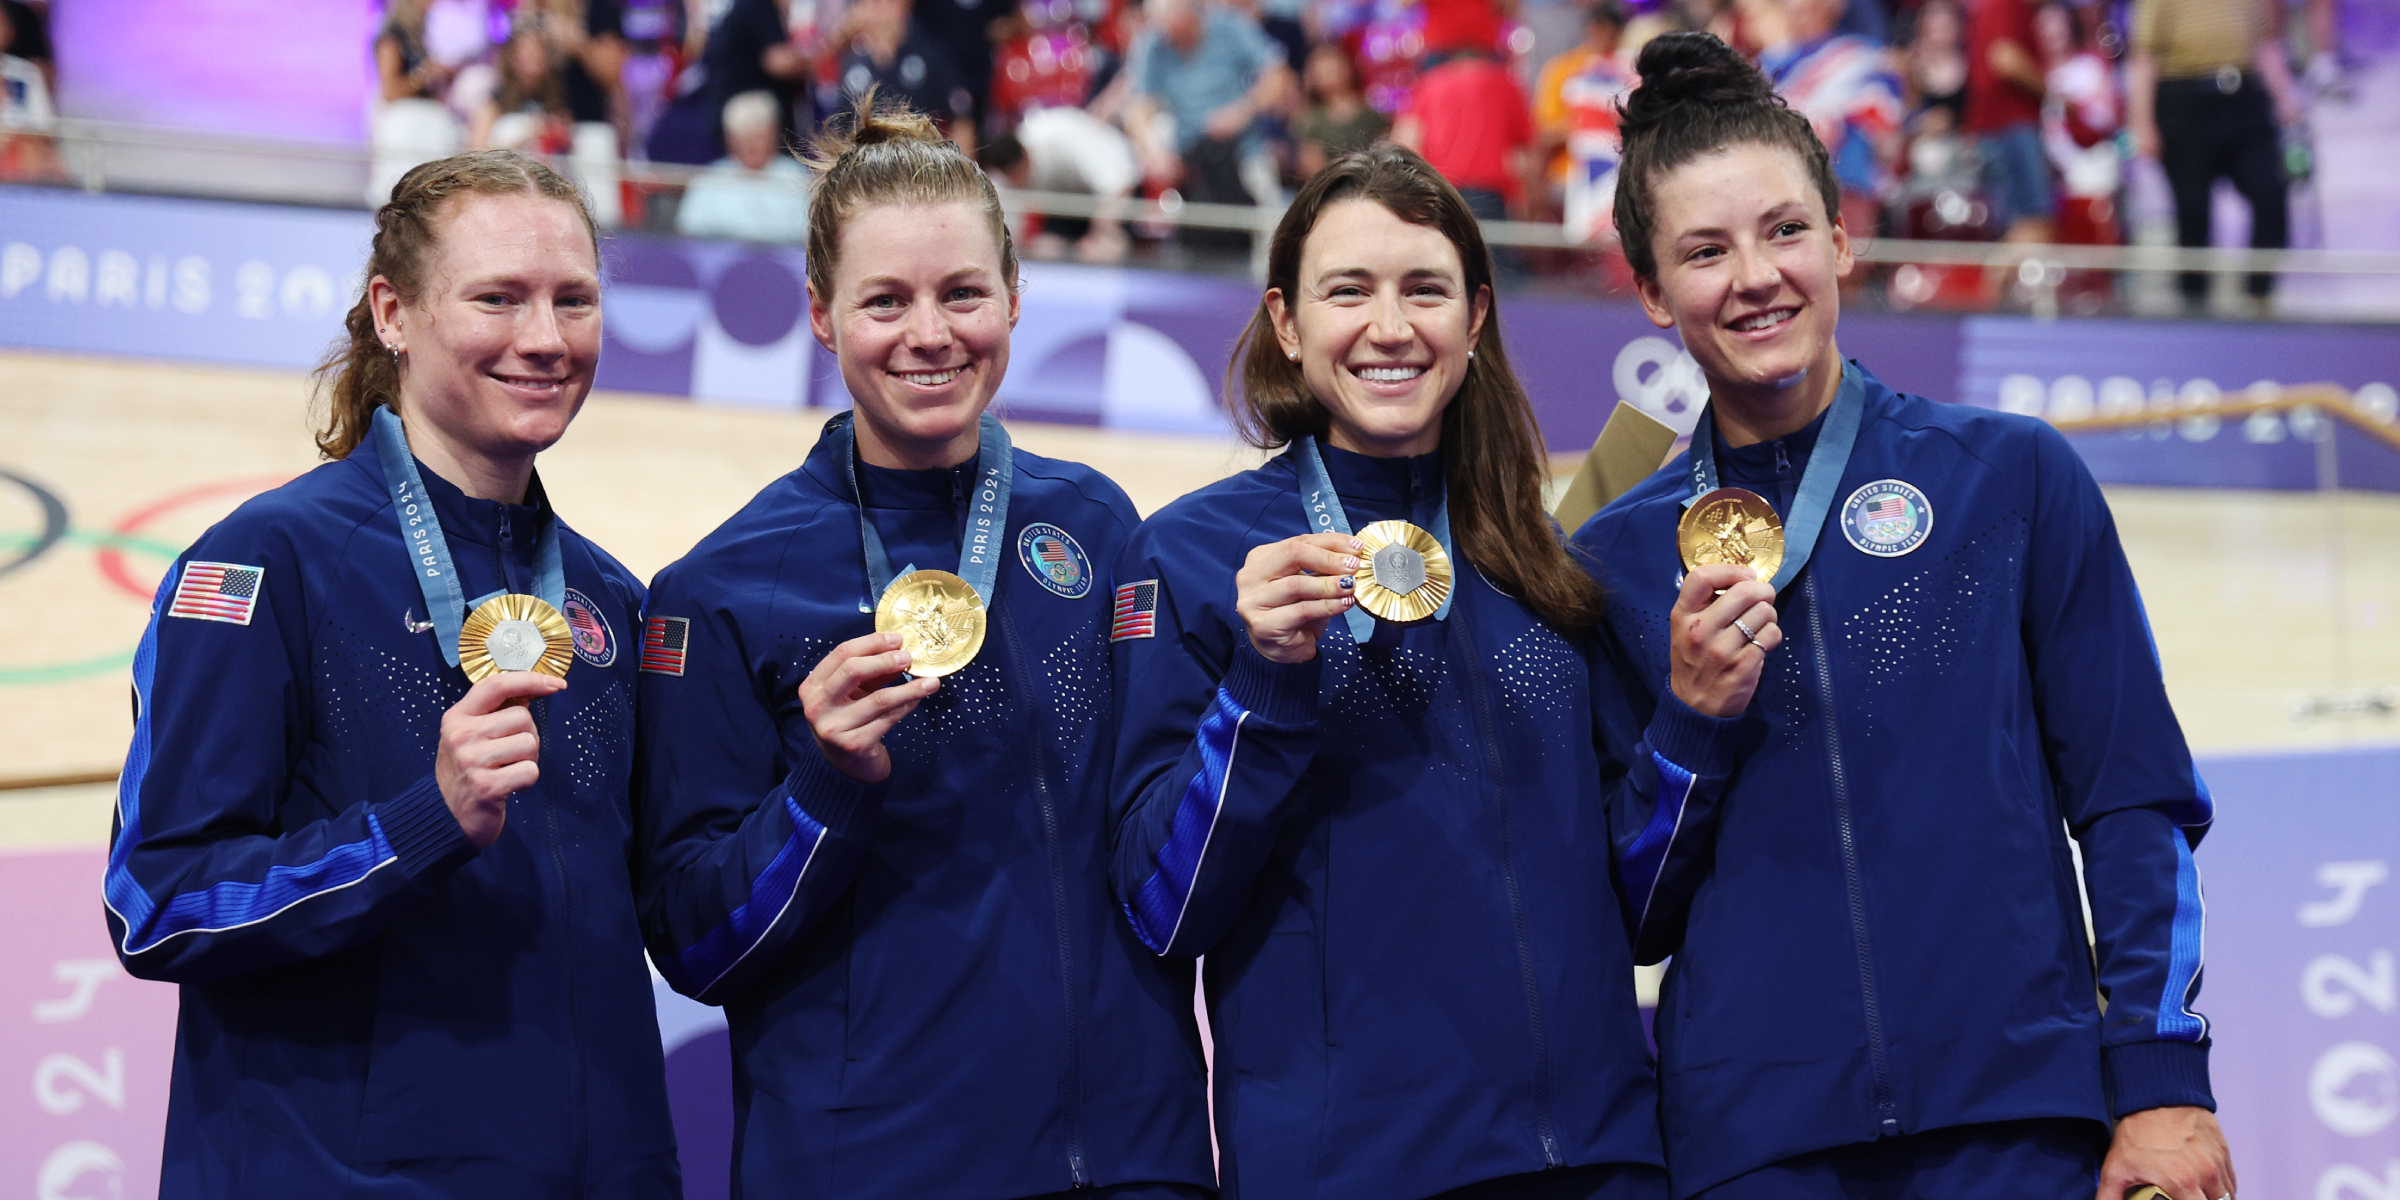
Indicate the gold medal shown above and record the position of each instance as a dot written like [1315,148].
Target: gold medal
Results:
[939,619]
[1733,527]
[515,632]
[1403,574]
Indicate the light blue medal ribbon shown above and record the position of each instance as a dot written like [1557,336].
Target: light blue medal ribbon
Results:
[987,512]
[429,551]
[1818,482]
[1325,515]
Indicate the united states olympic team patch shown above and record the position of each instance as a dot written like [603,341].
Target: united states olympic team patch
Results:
[1887,518]
[1054,558]
[595,642]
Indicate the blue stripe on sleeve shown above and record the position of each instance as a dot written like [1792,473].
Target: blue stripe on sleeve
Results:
[2176,1021]
[1647,857]
[228,904]
[1158,909]
[708,960]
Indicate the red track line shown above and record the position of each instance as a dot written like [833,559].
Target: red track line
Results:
[112,558]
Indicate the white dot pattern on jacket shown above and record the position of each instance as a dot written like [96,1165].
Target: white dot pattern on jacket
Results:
[364,691]
[1375,682]
[1075,678]
[1935,619]
[1541,680]
[594,731]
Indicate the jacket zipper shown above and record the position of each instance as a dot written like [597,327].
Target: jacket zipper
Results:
[566,895]
[1493,763]
[1887,1109]
[1072,1086]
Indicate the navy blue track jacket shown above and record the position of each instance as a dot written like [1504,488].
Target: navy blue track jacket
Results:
[929,992]
[1396,858]
[372,1007]
[1865,880]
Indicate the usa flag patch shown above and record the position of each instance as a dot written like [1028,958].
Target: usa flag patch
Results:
[211,591]
[1136,614]
[664,640]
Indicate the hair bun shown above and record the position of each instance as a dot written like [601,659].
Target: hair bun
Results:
[1691,68]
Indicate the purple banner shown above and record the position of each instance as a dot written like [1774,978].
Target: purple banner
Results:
[2301,991]
[267,67]
[1147,350]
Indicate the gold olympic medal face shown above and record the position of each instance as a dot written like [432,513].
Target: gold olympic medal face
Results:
[939,619]
[1734,527]
[1403,574]
[515,633]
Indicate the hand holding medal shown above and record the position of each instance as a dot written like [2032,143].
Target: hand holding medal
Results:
[854,697]
[1286,591]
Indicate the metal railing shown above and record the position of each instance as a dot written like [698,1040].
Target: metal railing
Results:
[107,156]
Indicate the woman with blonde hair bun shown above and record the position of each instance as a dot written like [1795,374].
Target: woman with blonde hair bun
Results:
[874,733]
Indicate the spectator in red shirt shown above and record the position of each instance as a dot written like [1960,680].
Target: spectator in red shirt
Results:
[1471,121]
[2004,115]
[1455,27]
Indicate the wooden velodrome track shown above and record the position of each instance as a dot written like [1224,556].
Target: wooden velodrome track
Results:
[2257,599]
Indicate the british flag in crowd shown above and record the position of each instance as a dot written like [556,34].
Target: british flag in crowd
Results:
[1136,614]
[664,640]
[211,591]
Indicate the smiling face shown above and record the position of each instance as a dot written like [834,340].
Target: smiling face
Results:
[1749,269]
[504,334]
[919,320]
[1382,322]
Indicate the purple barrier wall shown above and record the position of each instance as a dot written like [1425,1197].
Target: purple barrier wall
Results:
[1137,349]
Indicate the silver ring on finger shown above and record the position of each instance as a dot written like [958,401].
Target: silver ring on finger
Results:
[1747,634]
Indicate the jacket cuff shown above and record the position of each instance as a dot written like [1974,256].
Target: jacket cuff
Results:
[844,806]
[2142,1075]
[1691,739]
[422,831]
[1277,693]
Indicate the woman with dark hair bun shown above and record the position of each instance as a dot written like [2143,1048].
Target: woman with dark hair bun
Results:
[1902,660]
[872,770]
[1357,769]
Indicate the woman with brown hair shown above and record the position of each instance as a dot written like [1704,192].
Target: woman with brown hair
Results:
[398,901]
[872,771]
[1357,768]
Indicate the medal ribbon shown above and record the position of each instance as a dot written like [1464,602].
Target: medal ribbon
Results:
[1818,482]
[987,511]
[1325,515]
[429,551]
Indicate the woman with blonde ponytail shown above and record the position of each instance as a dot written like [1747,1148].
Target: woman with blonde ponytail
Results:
[387,863]
[873,758]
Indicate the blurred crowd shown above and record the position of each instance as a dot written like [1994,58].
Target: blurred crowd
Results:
[1946,119]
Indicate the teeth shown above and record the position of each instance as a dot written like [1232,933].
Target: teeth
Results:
[1764,320]
[931,378]
[524,381]
[1389,374]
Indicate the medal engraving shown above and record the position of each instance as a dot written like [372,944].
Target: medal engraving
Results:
[939,618]
[1405,575]
[515,645]
[515,632]
[1400,569]
[1733,527]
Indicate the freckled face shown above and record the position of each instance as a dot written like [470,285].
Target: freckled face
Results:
[1749,266]
[1383,323]
[504,336]
[919,320]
